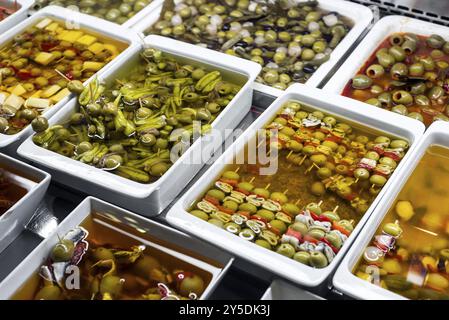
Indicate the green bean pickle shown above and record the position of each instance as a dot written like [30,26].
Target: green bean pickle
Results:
[410,253]
[135,125]
[112,266]
[289,40]
[328,175]
[409,75]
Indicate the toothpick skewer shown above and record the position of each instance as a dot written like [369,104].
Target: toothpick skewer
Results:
[320,203]
[335,209]
[289,154]
[302,160]
[237,170]
[268,185]
[285,192]
[297,201]
[62,75]
[252,180]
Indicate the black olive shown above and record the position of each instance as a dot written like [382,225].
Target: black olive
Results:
[309,69]
[242,44]
[226,27]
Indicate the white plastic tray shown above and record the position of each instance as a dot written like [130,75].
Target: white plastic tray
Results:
[19,16]
[281,290]
[156,230]
[344,280]
[86,22]
[360,15]
[151,199]
[367,47]
[342,108]
[36,183]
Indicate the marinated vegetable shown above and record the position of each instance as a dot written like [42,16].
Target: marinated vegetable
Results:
[139,125]
[409,75]
[39,66]
[328,175]
[7,9]
[409,254]
[10,192]
[118,11]
[112,266]
[289,39]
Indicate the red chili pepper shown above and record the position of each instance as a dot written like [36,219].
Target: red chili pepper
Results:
[313,215]
[47,46]
[323,219]
[212,200]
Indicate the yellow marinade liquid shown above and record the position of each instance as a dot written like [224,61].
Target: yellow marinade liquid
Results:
[418,266]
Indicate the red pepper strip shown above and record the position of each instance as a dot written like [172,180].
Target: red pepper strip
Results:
[24,75]
[225,210]
[310,239]
[212,200]
[310,143]
[314,215]
[259,219]
[229,181]
[341,229]
[335,250]
[333,138]
[379,150]
[392,155]
[70,75]
[246,193]
[323,219]
[351,196]
[260,196]
[292,233]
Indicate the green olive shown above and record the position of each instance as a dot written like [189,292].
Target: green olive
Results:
[361,82]
[75,86]
[286,249]
[386,60]
[378,180]
[399,144]
[291,209]
[246,186]
[191,284]
[63,251]
[263,243]
[361,174]
[50,292]
[231,175]
[279,225]
[375,71]
[392,229]
[302,257]
[261,192]
[416,69]
[248,207]
[313,207]
[400,109]
[200,214]
[399,71]
[318,259]
[435,41]
[265,214]
[317,234]
[111,285]
[398,53]
[217,194]
[402,97]
[159,169]
[318,189]
[83,147]
[39,124]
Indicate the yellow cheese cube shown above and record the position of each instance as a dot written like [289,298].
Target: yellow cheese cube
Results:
[52,27]
[14,102]
[92,66]
[37,103]
[50,91]
[37,94]
[71,36]
[18,90]
[44,23]
[60,95]
[86,40]
[112,49]
[44,58]
[96,48]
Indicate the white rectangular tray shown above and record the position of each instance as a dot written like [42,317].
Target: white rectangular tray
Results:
[344,280]
[18,16]
[36,182]
[156,230]
[367,47]
[360,15]
[89,23]
[151,199]
[340,107]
